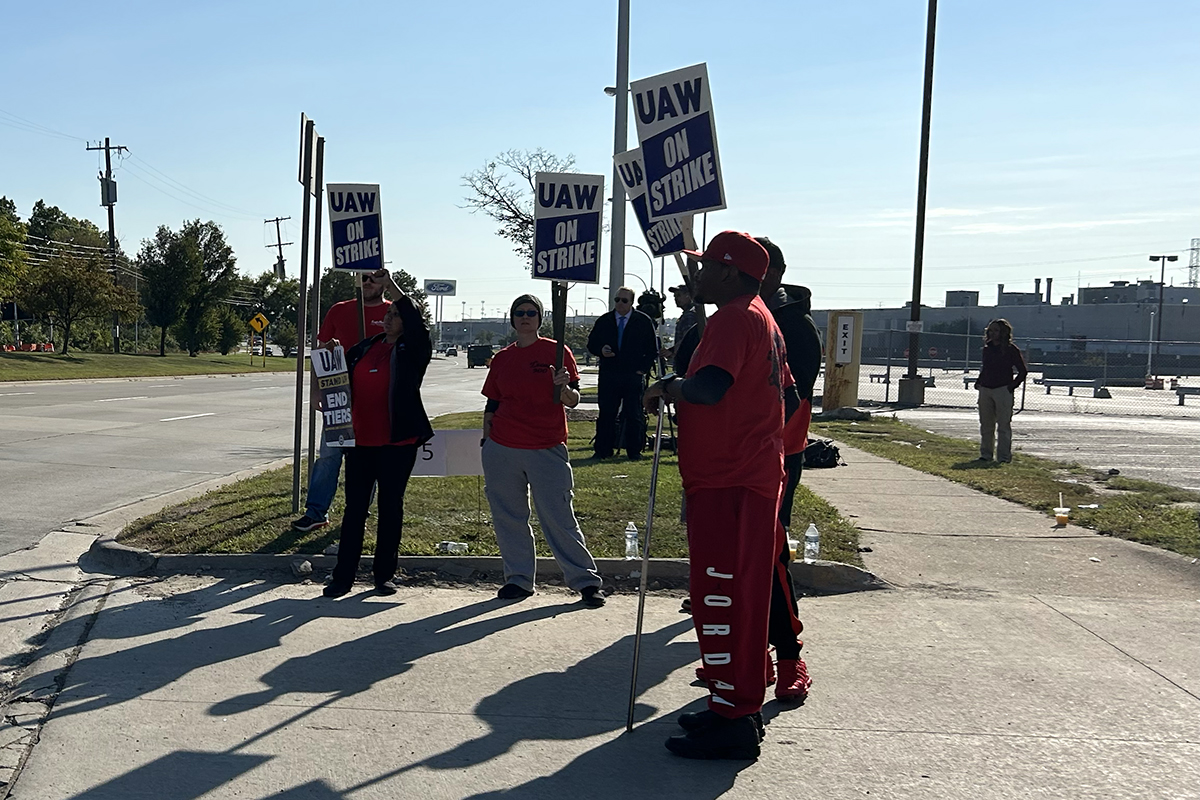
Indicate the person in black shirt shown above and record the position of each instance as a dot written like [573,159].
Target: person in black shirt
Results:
[1002,372]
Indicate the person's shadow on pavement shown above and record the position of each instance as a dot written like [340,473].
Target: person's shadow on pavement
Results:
[354,666]
[97,681]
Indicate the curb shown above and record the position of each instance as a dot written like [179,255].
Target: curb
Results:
[109,556]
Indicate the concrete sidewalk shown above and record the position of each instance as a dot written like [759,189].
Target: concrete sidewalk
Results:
[1009,664]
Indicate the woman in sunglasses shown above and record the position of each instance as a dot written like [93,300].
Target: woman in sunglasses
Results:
[524,449]
[390,423]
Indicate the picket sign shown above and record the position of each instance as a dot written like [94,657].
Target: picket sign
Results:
[356,226]
[678,138]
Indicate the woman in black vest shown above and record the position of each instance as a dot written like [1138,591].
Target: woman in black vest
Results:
[390,423]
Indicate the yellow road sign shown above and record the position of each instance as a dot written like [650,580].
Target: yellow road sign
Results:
[258,322]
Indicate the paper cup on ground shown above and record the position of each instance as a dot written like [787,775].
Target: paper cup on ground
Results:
[1061,515]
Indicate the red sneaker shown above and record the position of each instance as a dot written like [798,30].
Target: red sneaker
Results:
[793,680]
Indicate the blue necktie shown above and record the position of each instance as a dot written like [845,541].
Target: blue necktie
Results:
[620,330]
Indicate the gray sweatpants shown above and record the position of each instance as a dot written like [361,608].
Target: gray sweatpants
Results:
[510,474]
[995,417]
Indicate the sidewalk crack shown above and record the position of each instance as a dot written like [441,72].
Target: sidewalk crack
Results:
[1123,652]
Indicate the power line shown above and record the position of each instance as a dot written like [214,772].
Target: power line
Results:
[184,188]
[29,126]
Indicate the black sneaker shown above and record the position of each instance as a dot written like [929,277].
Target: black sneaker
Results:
[336,589]
[696,720]
[307,523]
[386,588]
[510,591]
[592,596]
[721,739]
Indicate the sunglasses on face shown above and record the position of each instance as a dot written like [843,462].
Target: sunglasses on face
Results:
[624,299]
[523,313]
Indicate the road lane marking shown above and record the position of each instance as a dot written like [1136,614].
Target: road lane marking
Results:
[14,394]
[115,399]
[189,416]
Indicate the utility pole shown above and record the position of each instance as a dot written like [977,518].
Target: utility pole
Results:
[912,385]
[280,243]
[616,264]
[108,198]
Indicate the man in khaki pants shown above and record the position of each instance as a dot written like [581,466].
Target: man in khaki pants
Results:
[1002,372]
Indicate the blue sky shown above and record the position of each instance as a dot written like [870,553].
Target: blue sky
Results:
[1065,134]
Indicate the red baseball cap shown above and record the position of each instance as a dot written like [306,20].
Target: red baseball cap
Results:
[738,249]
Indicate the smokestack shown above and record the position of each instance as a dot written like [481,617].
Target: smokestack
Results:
[999,292]
[1049,283]
[1037,287]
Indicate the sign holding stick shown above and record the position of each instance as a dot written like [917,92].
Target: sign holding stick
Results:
[558,316]
[333,382]
[356,226]
[664,236]
[679,142]
[567,215]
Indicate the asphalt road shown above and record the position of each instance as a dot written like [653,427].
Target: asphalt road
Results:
[1152,448]
[73,449]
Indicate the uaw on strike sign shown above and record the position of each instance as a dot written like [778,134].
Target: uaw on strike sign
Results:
[679,143]
[664,236]
[567,215]
[356,226]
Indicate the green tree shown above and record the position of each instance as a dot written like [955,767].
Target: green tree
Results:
[13,261]
[68,289]
[503,190]
[209,275]
[284,335]
[278,297]
[232,329]
[165,265]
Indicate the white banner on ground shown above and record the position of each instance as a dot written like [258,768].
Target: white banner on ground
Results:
[568,210]
[450,453]
[678,137]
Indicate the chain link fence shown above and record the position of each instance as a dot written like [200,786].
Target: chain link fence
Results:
[1072,374]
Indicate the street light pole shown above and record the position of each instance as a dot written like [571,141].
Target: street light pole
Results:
[1162,290]
[912,386]
[1150,348]
[616,266]
[651,260]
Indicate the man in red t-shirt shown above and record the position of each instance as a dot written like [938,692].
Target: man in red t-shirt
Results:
[341,326]
[731,409]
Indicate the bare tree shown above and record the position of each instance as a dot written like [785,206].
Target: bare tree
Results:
[503,189]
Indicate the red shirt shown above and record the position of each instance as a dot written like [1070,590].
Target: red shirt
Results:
[521,378]
[341,323]
[739,441]
[369,407]
[795,432]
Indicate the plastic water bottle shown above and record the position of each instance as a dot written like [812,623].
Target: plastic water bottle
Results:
[631,542]
[812,543]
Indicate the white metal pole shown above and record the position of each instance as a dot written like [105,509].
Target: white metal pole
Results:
[637,637]
[616,264]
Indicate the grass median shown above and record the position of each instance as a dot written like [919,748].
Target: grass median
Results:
[54,366]
[254,515]
[1113,505]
